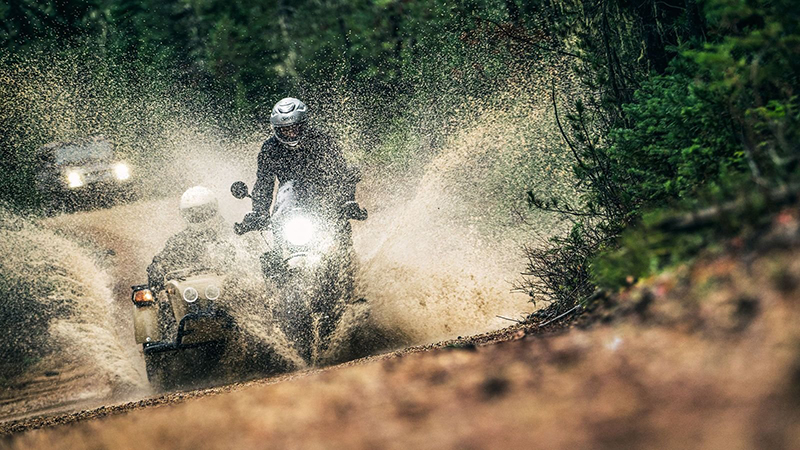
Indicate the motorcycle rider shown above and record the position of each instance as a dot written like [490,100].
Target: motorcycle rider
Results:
[203,243]
[306,155]
[310,168]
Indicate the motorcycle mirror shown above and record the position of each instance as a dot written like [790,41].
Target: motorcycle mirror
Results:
[239,190]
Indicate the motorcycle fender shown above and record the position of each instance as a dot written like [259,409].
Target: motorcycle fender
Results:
[303,261]
[145,324]
[297,263]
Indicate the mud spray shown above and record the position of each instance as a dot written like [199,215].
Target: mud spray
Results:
[437,257]
[442,248]
[59,345]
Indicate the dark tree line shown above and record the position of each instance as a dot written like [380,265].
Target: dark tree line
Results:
[688,103]
[255,51]
[680,102]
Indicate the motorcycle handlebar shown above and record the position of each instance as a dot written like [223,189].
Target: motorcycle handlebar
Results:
[254,222]
[351,210]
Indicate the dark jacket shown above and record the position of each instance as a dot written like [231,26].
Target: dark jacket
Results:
[316,164]
[205,245]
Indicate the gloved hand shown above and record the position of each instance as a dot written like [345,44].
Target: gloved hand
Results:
[351,210]
[251,222]
[239,228]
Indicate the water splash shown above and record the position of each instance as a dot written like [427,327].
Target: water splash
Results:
[58,338]
[442,246]
[437,257]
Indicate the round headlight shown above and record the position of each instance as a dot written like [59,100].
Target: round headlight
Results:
[190,294]
[212,292]
[298,230]
[74,179]
[122,171]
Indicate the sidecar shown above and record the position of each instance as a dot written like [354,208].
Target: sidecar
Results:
[183,329]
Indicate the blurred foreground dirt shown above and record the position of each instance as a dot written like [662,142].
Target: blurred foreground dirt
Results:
[705,356]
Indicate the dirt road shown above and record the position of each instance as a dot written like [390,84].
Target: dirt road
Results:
[703,357]
[426,299]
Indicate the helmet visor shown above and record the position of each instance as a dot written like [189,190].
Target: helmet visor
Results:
[197,214]
[290,133]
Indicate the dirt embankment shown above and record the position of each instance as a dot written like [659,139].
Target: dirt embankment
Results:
[705,356]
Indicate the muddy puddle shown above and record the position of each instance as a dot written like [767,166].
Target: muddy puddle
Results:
[437,258]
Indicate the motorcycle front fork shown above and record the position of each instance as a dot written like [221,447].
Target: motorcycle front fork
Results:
[272,266]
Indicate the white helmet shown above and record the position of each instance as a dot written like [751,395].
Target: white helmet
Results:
[288,119]
[198,204]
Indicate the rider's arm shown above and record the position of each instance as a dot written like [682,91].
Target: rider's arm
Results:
[265,182]
[163,262]
[346,175]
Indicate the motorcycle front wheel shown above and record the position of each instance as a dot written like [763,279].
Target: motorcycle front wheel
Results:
[294,317]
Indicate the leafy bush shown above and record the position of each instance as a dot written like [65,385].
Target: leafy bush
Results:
[680,139]
[719,125]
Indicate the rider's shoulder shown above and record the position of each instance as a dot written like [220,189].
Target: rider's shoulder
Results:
[321,140]
[318,134]
[270,148]
[175,242]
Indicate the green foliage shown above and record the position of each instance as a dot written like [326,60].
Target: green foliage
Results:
[641,251]
[658,241]
[713,123]
[754,65]
[246,50]
[680,140]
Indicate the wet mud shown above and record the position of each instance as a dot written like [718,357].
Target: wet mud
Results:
[458,287]
[704,356]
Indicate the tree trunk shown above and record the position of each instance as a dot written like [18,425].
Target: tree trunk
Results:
[654,44]
[696,22]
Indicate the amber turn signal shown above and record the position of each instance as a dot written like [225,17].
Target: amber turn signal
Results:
[143,297]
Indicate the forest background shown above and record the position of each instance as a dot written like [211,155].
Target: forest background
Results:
[673,106]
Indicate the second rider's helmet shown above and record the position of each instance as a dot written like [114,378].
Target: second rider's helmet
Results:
[288,119]
[198,205]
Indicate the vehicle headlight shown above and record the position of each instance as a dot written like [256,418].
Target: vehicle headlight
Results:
[212,292]
[190,294]
[298,230]
[122,171]
[74,179]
